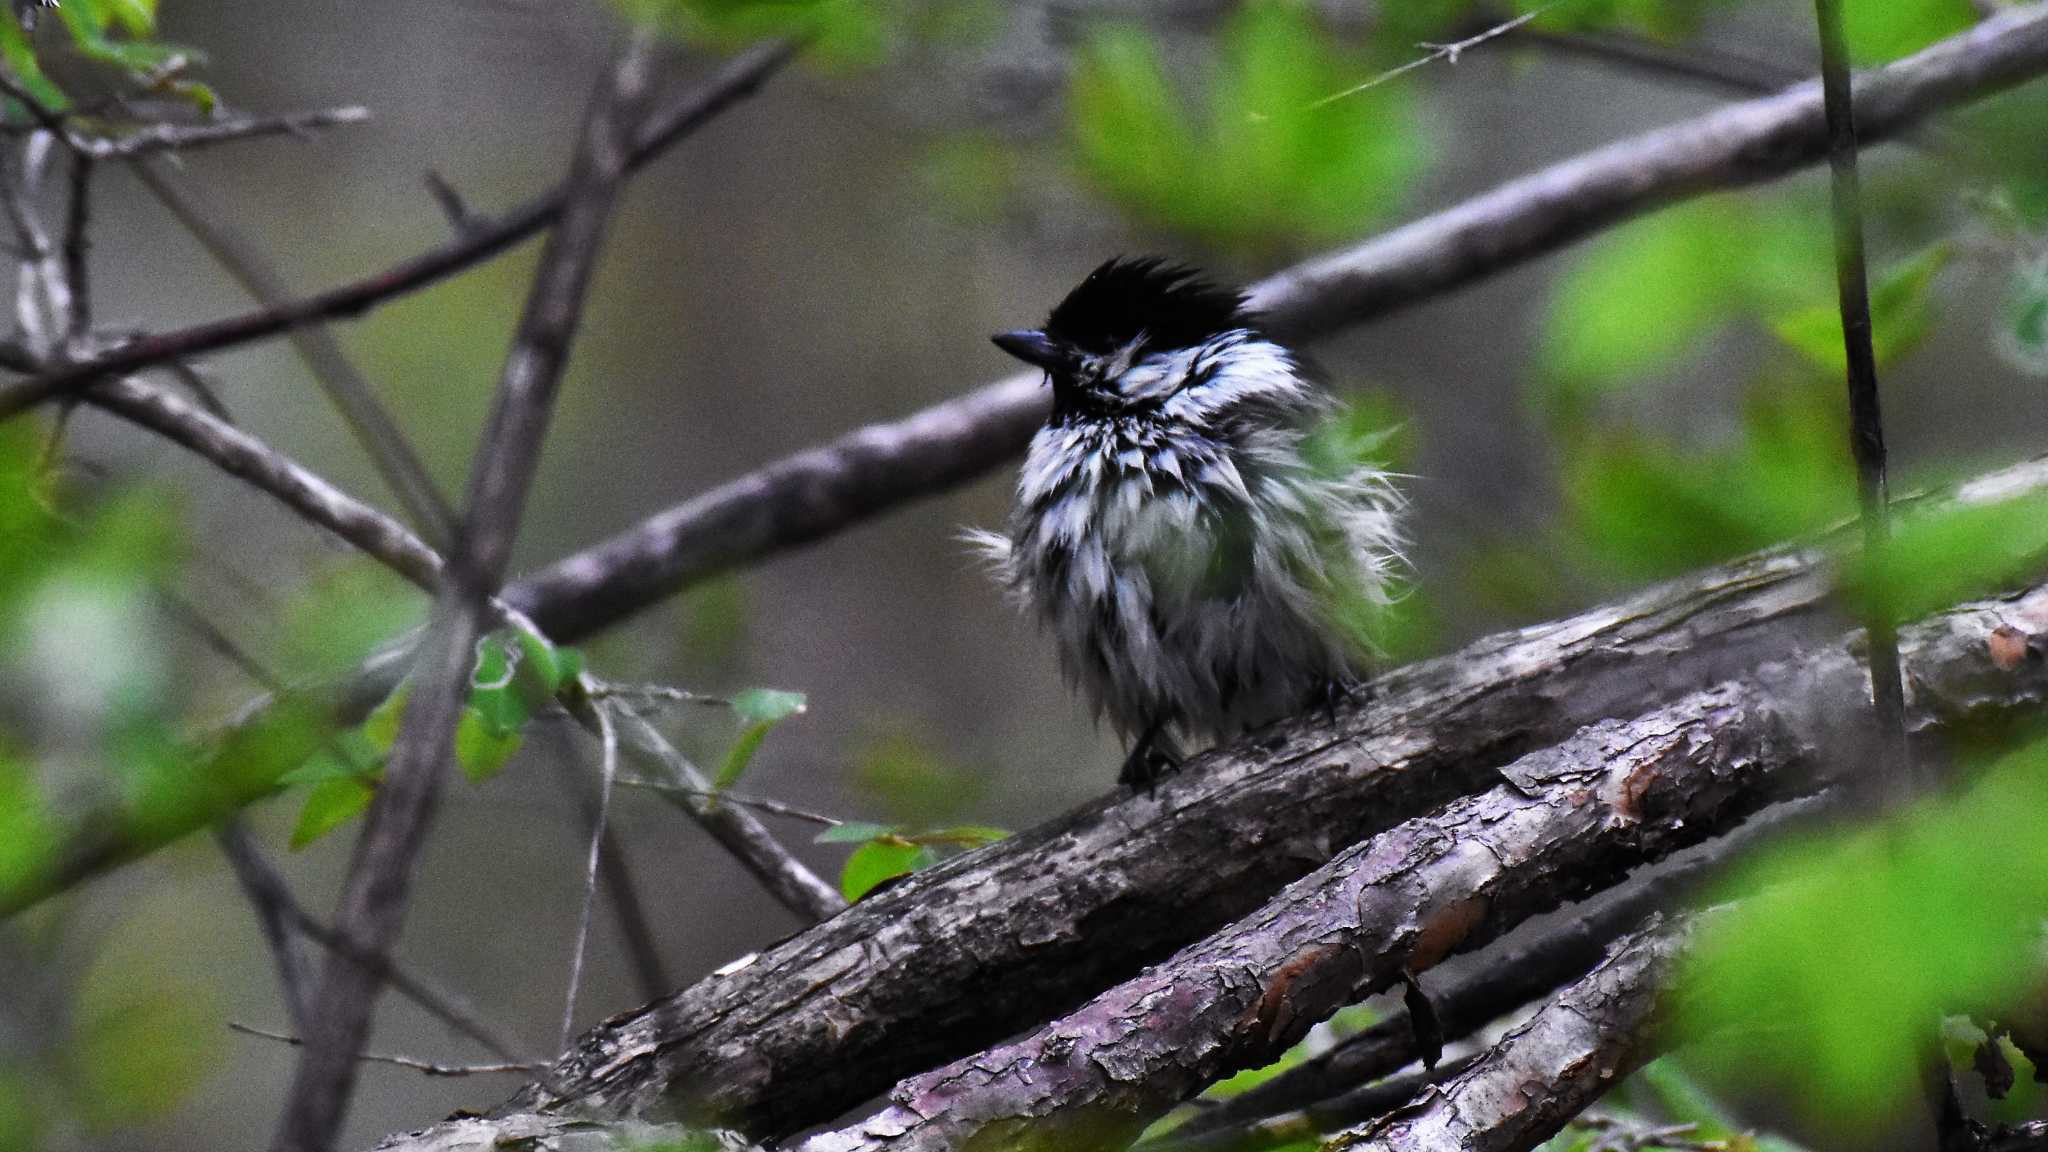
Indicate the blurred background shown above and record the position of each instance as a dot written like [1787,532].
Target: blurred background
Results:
[836,251]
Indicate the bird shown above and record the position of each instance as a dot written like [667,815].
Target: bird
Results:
[1203,564]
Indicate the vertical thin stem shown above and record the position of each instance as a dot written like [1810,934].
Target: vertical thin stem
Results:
[609,772]
[1866,422]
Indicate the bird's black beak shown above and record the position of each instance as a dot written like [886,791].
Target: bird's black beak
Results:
[1034,347]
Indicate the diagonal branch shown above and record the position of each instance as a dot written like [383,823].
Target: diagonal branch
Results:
[389,451]
[674,120]
[793,885]
[1036,922]
[242,455]
[1569,818]
[815,493]
[375,892]
[1547,1070]
[1507,977]
[159,138]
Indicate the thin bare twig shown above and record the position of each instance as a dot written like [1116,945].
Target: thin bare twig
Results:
[673,120]
[375,893]
[608,737]
[268,895]
[621,889]
[1866,421]
[159,138]
[1578,1046]
[759,803]
[77,245]
[240,454]
[793,885]
[425,1066]
[1723,71]
[397,463]
[1451,52]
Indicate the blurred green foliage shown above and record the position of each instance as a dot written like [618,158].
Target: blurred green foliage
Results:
[838,31]
[1641,297]
[1827,981]
[1269,159]
[899,770]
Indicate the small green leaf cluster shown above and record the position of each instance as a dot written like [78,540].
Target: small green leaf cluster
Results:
[119,34]
[517,674]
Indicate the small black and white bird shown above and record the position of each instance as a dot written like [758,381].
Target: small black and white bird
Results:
[1199,566]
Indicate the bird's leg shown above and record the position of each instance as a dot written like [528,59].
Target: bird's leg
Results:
[1331,693]
[1152,756]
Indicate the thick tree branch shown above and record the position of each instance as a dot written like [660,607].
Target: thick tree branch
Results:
[815,493]
[379,880]
[674,120]
[1506,977]
[1569,819]
[955,958]
[1547,1070]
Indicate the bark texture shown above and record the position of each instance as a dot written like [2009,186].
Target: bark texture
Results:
[1569,819]
[955,959]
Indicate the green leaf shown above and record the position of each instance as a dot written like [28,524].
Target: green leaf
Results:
[381,727]
[1649,508]
[766,705]
[28,832]
[135,17]
[880,860]
[20,57]
[901,773]
[87,21]
[1901,316]
[343,615]
[1882,30]
[482,748]
[841,32]
[497,693]
[854,832]
[328,806]
[1940,559]
[1643,295]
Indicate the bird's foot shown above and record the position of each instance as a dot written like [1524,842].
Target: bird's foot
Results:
[1331,694]
[1150,759]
